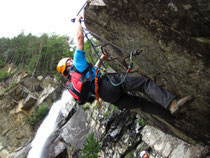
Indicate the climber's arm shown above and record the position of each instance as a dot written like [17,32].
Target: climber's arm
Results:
[102,58]
[79,34]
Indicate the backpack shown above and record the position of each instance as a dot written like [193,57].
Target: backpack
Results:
[79,86]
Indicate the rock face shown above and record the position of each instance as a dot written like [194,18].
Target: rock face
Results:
[20,95]
[173,38]
[117,131]
[170,146]
[120,133]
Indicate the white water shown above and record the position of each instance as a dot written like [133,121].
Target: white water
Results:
[48,126]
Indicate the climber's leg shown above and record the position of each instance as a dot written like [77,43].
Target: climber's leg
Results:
[148,87]
[107,91]
[128,101]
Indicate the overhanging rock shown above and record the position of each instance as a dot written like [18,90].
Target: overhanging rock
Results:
[174,37]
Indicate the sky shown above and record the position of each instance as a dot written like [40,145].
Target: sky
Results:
[38,17]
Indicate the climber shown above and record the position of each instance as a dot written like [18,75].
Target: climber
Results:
[117,95]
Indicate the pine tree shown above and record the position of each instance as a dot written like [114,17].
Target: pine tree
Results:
[91,148]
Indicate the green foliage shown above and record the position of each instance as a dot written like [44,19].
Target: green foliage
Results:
[3,75]
[11,84]
[2,63]
[130,155]
[106,114]
[71,149]
[39,54]
[39,115]
[114,107]
[142,122]
[90,53]
[91,148]
[86,106]
[97,106]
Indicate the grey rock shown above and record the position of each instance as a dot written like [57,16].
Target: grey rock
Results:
[29,102]
[171,147]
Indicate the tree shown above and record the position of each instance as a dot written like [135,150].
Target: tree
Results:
[90,54]
[37,54]
[91,148]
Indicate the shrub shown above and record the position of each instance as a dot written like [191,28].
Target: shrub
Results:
[107,114]
[3,75]
[142,122]
[39,115]
[86,107]
[91,148]
[2,64]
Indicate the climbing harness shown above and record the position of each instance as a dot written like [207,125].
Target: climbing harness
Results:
[78,85]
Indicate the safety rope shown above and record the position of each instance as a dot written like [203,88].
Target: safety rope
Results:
[86,35]
[121,49]
[129,67]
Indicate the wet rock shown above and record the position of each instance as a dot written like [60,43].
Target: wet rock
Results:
[21,153]
[78,128]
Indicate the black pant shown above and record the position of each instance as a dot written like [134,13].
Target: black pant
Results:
[119,95]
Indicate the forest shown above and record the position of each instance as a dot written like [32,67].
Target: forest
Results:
[38,55]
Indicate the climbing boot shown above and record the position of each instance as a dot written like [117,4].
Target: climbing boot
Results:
[177,103]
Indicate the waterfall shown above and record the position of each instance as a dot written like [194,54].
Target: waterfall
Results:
[48,126]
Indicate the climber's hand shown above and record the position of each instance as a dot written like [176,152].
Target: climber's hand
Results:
[78,18]
[104,56]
